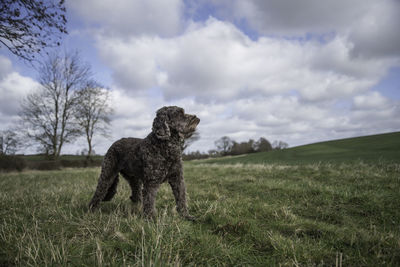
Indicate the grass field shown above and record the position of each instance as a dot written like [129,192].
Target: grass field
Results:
[327,204]
[255,214]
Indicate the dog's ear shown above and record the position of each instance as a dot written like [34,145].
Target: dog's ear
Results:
[160,125]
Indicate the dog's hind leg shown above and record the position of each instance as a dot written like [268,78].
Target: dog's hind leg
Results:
[136,188]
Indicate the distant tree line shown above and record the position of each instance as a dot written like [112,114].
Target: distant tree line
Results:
[226,146]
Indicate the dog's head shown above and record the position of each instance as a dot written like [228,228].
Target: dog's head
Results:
[173,120]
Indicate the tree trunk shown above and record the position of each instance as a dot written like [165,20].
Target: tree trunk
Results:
[89,140]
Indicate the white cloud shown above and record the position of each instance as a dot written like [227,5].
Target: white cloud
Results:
[370,25]
[126,17]
[289,18]
[374,112]
[215,62]
[371,101]
[133,116]
[277,88]
[374,35]
[5,66]
[13,87]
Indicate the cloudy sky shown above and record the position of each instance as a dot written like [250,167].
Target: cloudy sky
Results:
[297,71]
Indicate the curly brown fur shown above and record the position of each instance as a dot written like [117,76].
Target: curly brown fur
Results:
[149,162]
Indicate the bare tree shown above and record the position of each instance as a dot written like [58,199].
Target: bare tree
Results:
[28,26]
[195,137]
[9,142]
[93,112]
[279,145]
[224,145]
[48,113]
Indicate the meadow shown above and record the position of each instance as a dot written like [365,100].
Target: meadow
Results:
[255,215]
[249,213]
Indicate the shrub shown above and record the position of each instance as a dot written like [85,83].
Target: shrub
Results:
[72,163]
[83,163]
[11,163]
[18,163]
[45,165]
[93,163]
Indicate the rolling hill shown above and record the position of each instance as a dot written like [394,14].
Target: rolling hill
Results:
[381,147]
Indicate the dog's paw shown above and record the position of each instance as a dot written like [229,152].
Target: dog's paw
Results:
[189,217]
[93,205]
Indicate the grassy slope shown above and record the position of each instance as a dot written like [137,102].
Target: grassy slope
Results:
[384,147]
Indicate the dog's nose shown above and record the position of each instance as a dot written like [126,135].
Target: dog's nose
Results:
[195,119]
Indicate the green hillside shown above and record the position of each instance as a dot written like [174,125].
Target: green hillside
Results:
[382,147]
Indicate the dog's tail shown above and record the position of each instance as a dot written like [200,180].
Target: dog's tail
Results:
[108,180]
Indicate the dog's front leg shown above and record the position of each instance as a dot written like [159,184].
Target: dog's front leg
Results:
[179,190]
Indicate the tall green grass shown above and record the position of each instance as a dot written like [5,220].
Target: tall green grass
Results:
[253,214]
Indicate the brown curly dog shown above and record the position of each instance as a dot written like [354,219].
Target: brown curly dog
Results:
[149,162]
